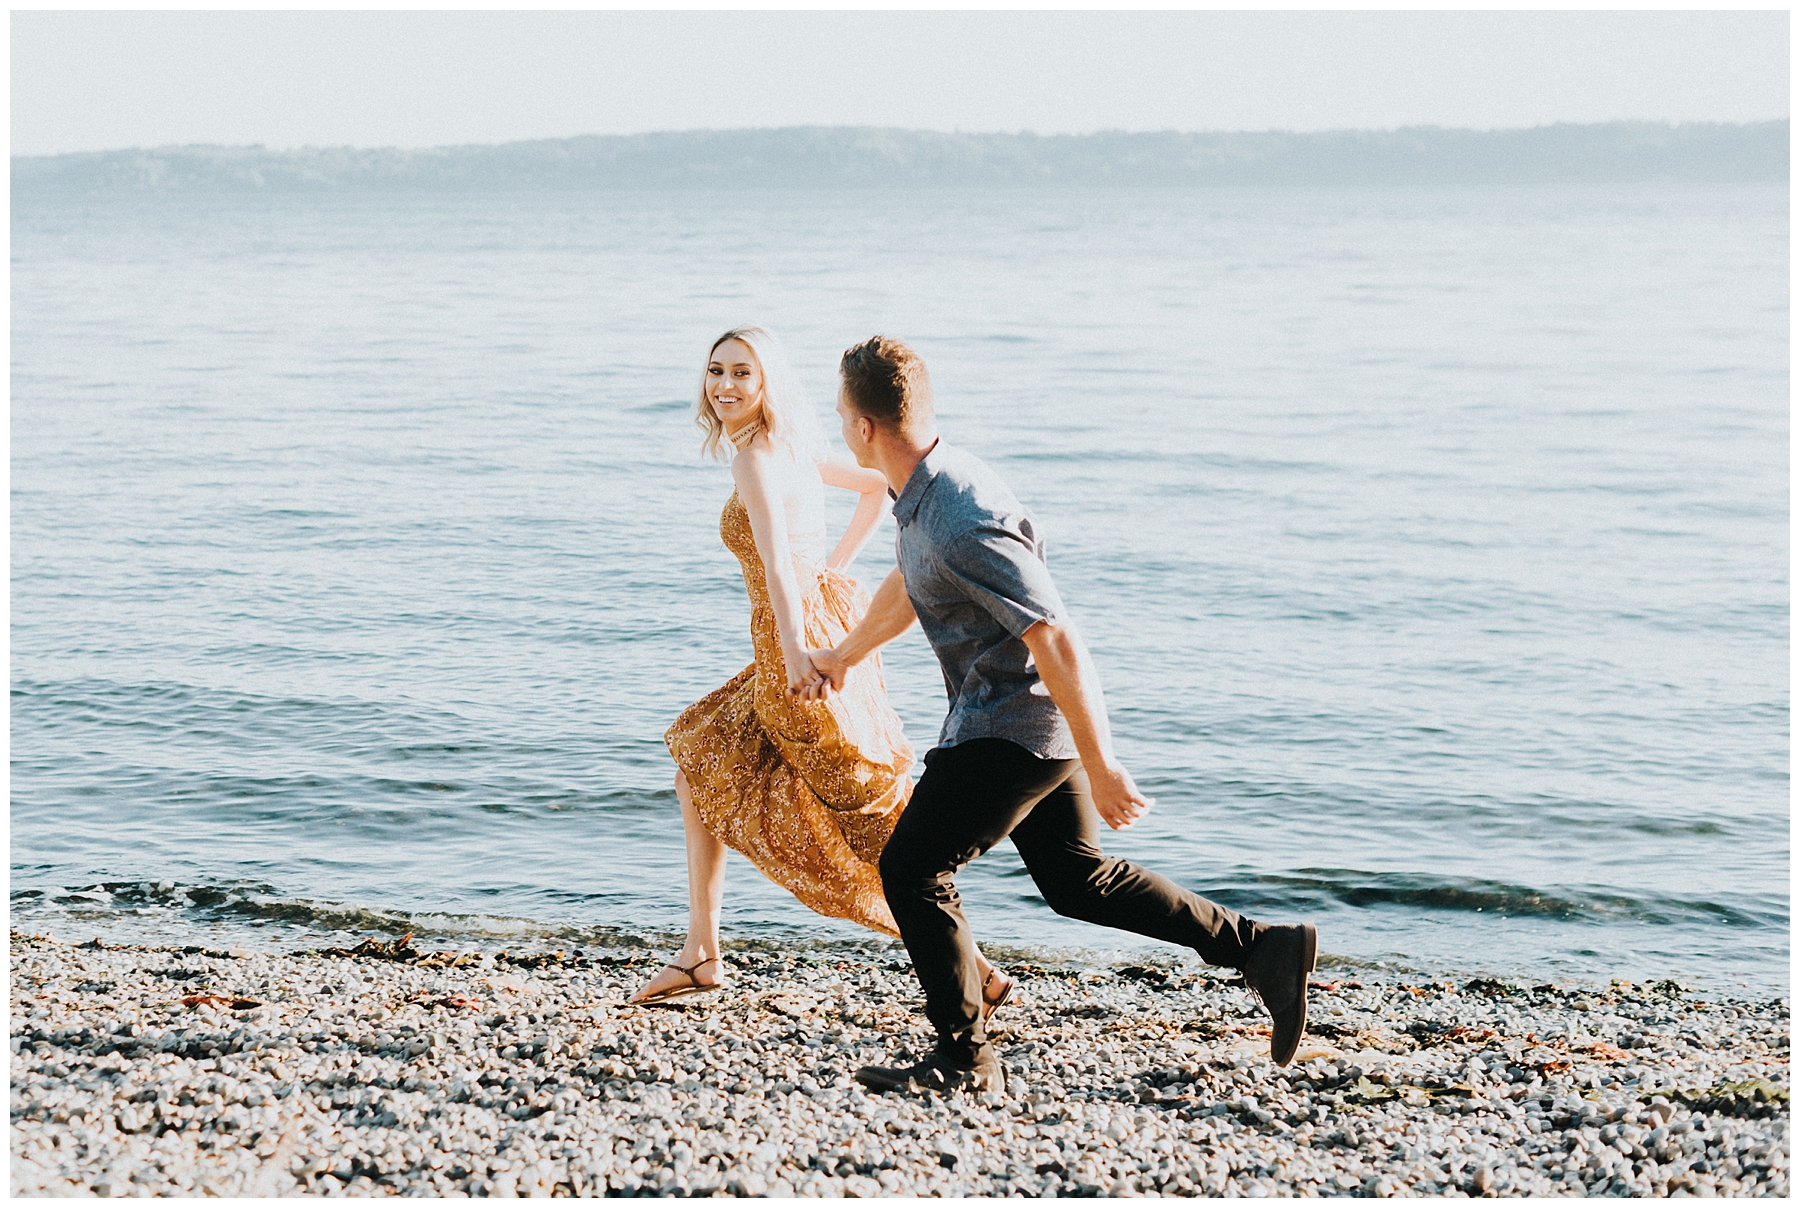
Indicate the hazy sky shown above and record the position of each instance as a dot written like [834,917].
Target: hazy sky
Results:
[98,80]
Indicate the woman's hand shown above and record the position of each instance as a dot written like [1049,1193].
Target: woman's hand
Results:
[831,670]
[803,679]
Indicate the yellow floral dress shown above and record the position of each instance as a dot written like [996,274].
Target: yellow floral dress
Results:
[808,790]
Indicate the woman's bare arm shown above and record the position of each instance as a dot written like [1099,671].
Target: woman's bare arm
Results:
[873,487]
[758,485]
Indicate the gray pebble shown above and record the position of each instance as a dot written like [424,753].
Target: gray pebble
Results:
[354,1076]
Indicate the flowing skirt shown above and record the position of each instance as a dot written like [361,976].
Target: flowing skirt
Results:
[809,791]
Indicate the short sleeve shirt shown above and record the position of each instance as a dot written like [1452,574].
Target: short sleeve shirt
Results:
[973,561]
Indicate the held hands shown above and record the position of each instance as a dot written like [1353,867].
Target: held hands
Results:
[803,679]
[830,670]
[1116,796]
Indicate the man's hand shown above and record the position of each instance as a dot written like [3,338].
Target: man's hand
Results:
[890,614]
[1067,671]
[803,678]
[1116,796]
[831,672]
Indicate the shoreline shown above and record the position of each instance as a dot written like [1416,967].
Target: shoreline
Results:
[385,1070]
[276,933]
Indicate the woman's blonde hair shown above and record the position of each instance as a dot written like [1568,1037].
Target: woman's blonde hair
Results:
[784,417]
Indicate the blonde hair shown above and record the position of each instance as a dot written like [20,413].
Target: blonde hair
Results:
[783,416]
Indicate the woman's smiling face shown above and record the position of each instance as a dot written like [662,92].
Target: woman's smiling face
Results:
[734,384]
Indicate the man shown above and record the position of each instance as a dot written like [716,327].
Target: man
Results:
[1025,750]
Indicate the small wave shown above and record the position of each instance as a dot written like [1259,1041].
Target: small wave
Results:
[251,914]
[1300,892]
[1537,933]
[256,904]
[1425,891]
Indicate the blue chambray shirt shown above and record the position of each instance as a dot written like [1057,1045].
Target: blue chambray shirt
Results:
[972,557]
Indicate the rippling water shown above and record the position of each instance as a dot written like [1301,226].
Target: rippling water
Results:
[1432,543]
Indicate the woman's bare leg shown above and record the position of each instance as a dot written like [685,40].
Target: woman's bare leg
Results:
[706,896]
[706,881]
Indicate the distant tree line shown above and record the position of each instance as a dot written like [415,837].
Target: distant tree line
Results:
[820,157]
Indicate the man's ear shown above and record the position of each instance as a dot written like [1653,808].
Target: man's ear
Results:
[865,428]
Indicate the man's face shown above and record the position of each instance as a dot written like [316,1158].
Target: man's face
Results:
[853,426]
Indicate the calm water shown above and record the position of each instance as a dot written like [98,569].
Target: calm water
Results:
[1432,544]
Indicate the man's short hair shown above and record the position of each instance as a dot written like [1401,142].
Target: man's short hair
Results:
[886,381]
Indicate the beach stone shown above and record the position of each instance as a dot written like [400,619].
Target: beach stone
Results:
[351,1077]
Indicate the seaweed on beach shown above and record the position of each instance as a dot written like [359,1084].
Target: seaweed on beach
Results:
[403,951]
[99,945]
[1351,1036]
[1326,1030]
[357,1062]
[1430,1034]
[1368,1092]
[373,949]
[1086,1011]
[235,1002]
[1600,1050]
[1752,1098]
[1025,970]
[459,1002]
[546,960]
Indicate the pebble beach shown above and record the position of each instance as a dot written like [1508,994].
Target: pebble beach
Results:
[388,1070]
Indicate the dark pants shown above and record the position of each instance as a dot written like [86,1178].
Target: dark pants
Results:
[975,794]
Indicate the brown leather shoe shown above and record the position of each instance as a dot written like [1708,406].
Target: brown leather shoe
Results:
[936,1073]
[1276,968]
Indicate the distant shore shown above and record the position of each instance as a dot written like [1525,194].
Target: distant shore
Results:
[386,1070]
[814,157]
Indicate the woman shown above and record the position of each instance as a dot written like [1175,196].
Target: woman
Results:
[808,790]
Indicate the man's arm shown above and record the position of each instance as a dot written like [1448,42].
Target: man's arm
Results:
[1066,668]
[890,615]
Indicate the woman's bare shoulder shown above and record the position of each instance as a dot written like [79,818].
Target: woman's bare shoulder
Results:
[762,467]
[754,461]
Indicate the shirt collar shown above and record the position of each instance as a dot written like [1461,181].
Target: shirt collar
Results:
[906,503]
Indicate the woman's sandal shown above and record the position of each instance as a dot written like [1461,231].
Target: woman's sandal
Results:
[993,1002]
[694,986]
